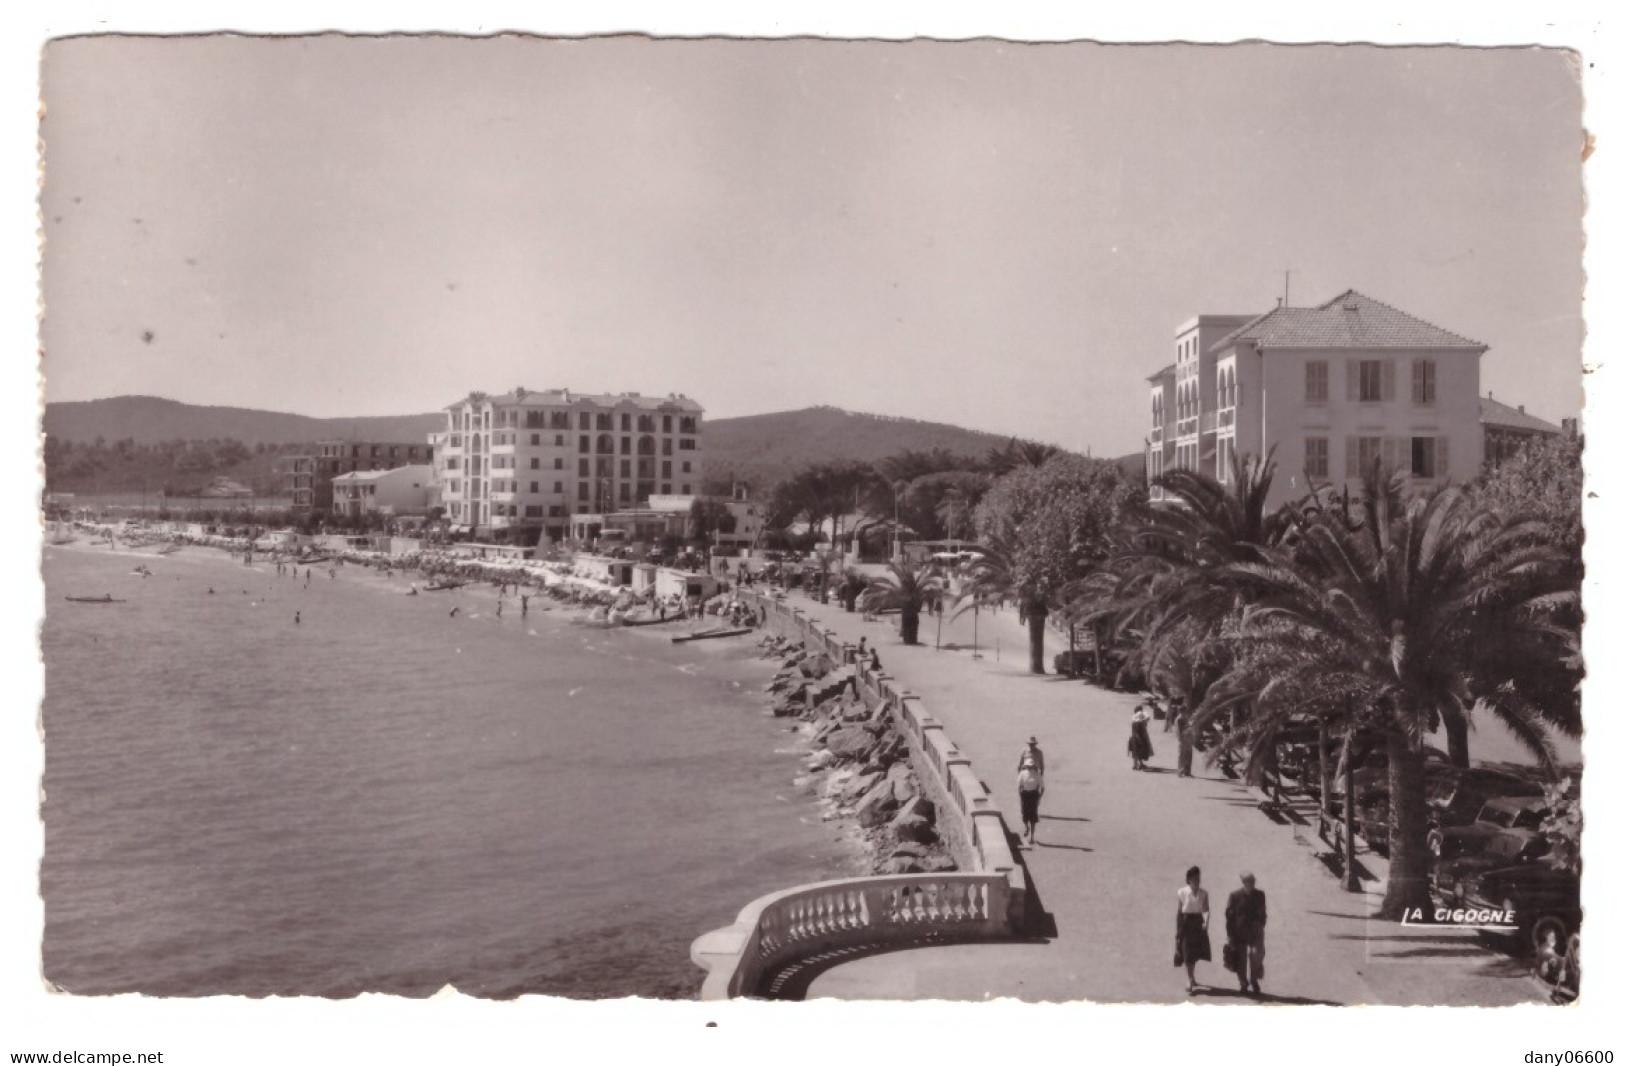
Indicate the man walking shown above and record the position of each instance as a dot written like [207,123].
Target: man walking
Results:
[1244,918]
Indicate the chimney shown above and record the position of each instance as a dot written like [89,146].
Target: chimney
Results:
[1279,303]
[1520,408]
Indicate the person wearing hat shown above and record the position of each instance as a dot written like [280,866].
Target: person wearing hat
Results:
[1244,918]
[1030,789]
[1032,751]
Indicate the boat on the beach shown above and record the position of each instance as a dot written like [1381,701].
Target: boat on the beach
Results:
[142,570]
[93,599]
[171,550]
[707,634]
[442,587]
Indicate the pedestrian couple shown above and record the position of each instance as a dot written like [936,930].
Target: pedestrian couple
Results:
[1244,918]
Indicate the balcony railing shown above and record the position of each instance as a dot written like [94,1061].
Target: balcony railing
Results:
[1209,421]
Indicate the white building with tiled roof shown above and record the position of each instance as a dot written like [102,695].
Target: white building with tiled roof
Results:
[1331,388]
[533,459]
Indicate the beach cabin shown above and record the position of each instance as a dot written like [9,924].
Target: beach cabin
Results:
[643,577]
[684,583]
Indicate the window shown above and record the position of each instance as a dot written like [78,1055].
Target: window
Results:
[451,462]
[535,463]
[558,440]
[584,421]
[685,490]
[1424,380]
[626,492]
[685,445]
[558,462]
[606,421]
[1362,452]
[1430,456]
[558,486]
[584,468]
[1315,381]
[535,440]
[533,510]
[581,492]
[626,423]
[626,468]
[584,444]
[665,469]
[535,486]
[665,446]
[1371,380]
[1315,461]
[686,469]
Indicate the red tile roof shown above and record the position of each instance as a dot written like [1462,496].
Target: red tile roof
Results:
[1169,369]
[1351,320]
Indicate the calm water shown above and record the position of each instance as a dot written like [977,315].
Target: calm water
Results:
[383,798]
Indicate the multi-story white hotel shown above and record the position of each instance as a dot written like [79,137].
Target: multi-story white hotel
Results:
[1330,388]
[534,459]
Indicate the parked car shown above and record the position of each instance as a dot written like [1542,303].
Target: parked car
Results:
[1456,795]
[1543,898]
[1502,815]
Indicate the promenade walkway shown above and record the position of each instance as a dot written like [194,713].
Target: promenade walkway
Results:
[1112,850]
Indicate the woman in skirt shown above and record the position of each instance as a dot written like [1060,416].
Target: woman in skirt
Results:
[1190,929]
[1139,737]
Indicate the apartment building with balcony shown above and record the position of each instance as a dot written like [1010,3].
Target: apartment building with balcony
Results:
[310,477]
[534,459]
[1331,388]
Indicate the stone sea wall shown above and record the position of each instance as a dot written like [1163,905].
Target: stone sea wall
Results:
[944,867]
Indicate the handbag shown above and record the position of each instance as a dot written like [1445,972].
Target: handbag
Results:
[1179,955]
[1232,959]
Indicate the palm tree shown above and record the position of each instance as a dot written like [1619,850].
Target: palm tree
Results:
[1018,453]
[906,589]
[1430,609]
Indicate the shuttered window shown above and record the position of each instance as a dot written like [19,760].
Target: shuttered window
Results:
[1315,381]
[1371,380]
[1361,453]
[1430,457]
[1315,460]
[1424,382]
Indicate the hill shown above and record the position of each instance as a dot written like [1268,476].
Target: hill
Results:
[150,420]
[141,438]
[760,449]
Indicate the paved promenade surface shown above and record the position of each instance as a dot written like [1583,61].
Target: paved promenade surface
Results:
[1112,851]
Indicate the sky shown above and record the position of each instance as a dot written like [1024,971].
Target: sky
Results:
[997,235]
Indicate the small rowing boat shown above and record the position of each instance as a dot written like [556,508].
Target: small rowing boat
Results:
[93,599]
[707,634]
[444,587]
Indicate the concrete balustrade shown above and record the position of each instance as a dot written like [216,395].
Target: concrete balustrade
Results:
[985,901]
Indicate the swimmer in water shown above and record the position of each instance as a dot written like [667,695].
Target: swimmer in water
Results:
[296,618]
[454,611]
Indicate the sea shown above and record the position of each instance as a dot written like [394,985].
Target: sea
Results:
[256,786]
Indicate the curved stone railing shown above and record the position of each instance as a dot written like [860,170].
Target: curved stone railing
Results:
[800,923]
[985,901]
